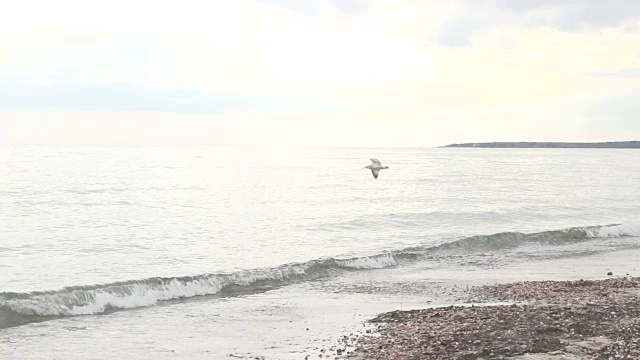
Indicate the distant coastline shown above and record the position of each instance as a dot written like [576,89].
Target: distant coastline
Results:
[557,145]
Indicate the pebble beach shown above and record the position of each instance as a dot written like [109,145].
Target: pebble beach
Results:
[582,319]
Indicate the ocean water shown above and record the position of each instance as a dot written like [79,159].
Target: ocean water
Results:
[194,252]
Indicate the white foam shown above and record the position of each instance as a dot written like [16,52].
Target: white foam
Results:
[140,294]
[127,296]
[631,229]
[147,293]
[371,262]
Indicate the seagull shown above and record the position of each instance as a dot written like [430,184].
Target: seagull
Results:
[375,167]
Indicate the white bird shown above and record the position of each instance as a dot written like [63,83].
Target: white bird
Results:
[375,167]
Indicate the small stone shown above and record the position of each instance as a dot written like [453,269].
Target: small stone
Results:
[610,273]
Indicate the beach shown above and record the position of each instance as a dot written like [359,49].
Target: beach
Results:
[581,319]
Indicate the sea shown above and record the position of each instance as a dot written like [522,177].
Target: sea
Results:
[205,252]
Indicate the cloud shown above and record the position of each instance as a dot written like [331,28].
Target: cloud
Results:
[473,18]
[351,7]
[629,73]
[319,7]
[380,73]
[614,111]
[304,7]
[137,73]
[116,97]
[461,31]
[575,15]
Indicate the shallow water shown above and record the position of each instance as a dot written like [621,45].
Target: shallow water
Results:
[204,252]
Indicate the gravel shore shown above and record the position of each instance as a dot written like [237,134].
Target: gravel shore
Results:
[584,319]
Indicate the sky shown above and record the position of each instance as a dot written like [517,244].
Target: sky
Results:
[352,73]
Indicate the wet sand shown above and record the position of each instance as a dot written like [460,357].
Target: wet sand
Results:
[583,319]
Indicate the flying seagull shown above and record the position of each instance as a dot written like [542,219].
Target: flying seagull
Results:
[375,167]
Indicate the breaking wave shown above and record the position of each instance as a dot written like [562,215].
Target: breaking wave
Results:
[21,308]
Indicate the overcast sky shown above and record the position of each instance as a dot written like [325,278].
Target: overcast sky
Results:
[319,72]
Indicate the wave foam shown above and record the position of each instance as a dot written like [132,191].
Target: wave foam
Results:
[20,308]
[619,230]
[96,299]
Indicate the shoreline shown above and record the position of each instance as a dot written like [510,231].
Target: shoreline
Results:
[536,320]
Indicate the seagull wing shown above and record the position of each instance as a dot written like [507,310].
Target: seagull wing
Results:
[375,161]
[375,172]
